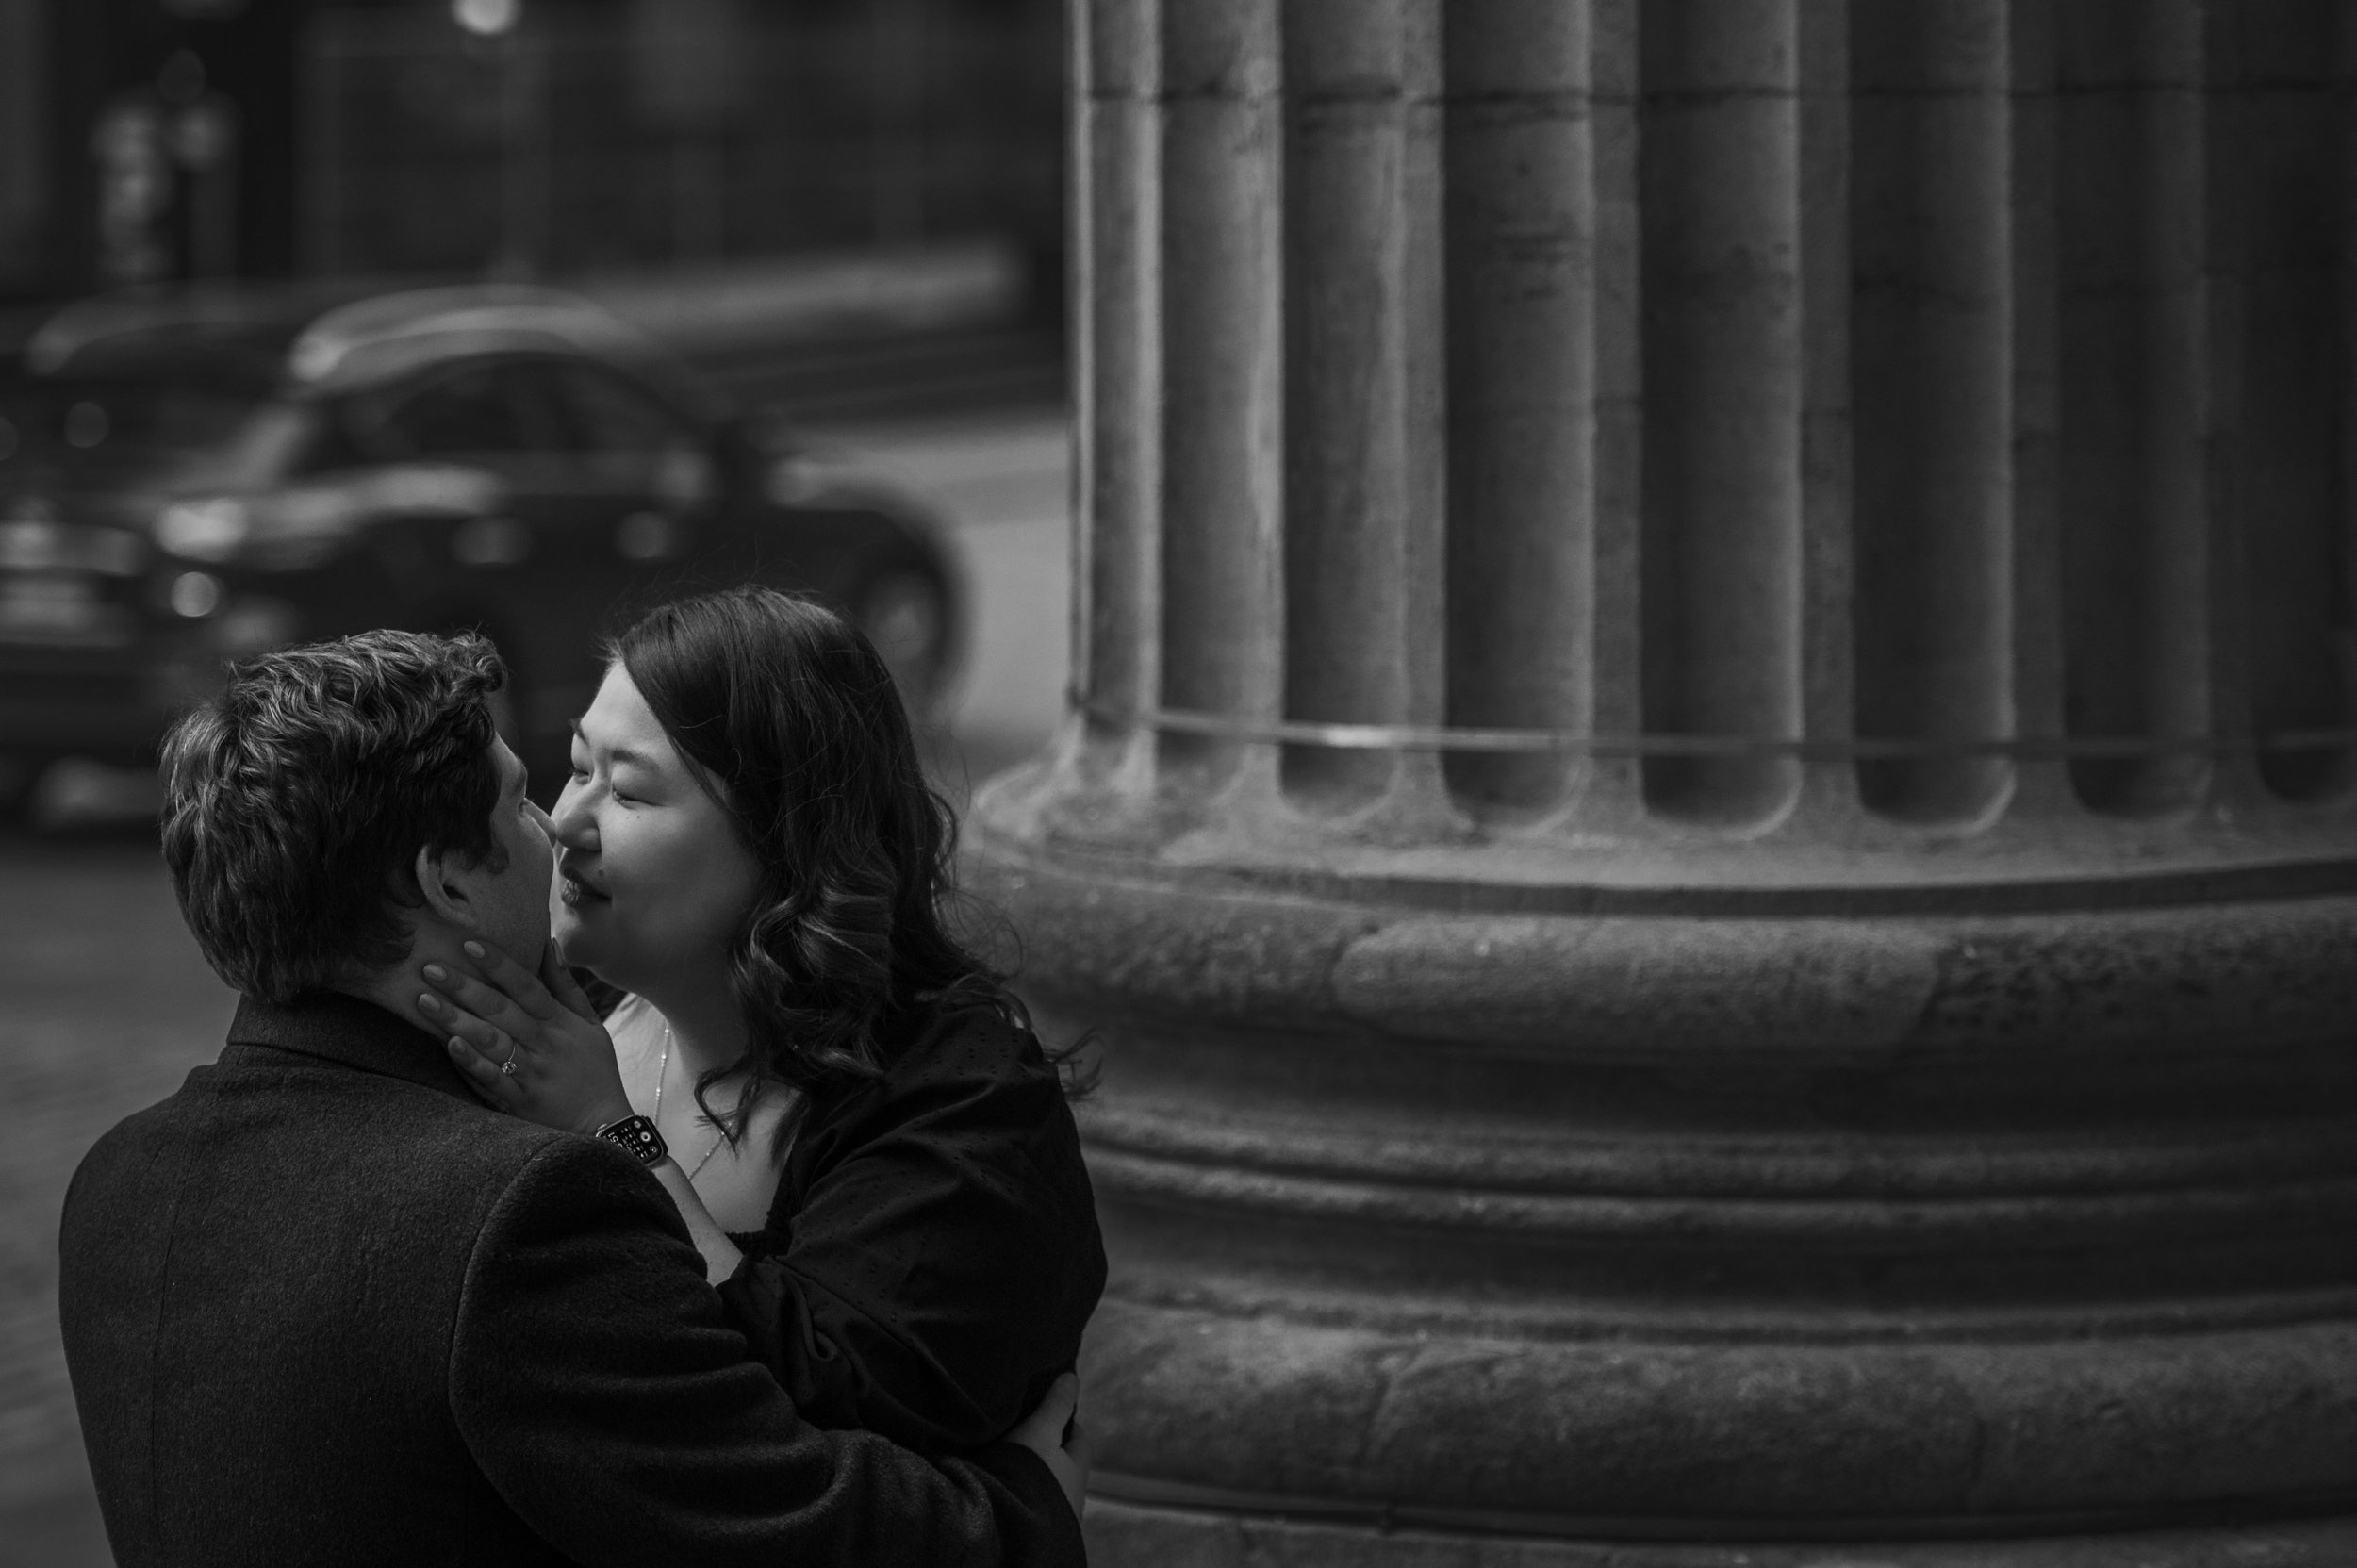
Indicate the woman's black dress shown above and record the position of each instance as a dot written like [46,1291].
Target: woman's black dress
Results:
[933,1254]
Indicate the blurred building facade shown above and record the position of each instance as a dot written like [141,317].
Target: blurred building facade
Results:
[150,140]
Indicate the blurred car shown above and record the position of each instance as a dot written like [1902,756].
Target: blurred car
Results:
[187,478]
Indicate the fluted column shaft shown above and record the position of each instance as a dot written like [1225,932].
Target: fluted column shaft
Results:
[1792,413]
[1711,810]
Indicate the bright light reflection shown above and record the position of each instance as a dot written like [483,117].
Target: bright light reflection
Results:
[486,17]
[197,594]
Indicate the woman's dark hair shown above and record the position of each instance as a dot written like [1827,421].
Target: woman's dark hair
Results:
[793,724]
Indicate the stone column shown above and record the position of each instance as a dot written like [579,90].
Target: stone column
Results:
[1711,811]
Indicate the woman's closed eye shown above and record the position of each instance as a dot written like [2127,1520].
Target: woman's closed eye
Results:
[582,777]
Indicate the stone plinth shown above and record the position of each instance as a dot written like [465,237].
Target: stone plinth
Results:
[1711,810]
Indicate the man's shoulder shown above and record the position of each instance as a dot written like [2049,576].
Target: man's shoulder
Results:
[151,1127]
[125,1142]
[256,1115]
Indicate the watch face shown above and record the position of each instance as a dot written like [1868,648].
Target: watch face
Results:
[638,1135]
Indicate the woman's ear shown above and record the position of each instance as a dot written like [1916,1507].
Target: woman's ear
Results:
[445,892]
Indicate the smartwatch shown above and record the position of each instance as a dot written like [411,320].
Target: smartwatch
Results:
[637,1136]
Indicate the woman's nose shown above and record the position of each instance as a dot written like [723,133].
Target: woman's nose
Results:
[571,826]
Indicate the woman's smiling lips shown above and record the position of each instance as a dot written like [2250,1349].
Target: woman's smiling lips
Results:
[576,890]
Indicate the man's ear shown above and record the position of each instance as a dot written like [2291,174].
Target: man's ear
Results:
[444,889]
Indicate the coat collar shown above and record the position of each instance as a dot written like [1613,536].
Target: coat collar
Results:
[350,1032]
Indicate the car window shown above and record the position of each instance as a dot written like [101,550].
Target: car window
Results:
[489,409]
[611,414]
[338,440]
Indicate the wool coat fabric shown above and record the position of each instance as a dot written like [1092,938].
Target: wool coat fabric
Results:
[322,1307]
[932,1253]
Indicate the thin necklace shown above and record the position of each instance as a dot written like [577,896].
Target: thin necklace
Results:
[662,1071]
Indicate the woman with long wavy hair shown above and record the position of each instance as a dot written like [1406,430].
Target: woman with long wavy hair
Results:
[867,1143]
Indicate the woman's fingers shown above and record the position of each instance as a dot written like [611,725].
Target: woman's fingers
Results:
[464,1001]
[1043,1432]
[565,1076]
[517,982]
[483,1034]
[491,1085]
[1056,1406]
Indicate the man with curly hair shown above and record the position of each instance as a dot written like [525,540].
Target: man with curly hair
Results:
[321,1306]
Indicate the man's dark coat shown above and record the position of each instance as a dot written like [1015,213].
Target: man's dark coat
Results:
[321,1307]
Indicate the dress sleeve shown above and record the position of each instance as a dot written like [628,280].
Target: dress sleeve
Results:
[597,1386]
[944,1256]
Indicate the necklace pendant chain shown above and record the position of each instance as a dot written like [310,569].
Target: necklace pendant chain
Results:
[662,1071]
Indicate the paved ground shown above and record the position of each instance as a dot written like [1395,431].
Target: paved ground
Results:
[107,1004]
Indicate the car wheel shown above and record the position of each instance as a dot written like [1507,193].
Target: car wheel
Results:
[905,613]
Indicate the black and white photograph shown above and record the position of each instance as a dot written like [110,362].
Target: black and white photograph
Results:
[1179,783]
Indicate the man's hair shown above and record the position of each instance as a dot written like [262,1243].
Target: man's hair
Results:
[297,799]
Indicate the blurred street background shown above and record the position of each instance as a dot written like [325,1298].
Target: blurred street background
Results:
[843,218]
[108,1003]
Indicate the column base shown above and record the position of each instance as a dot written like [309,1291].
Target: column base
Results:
[1124,1534]
[1443,1228]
